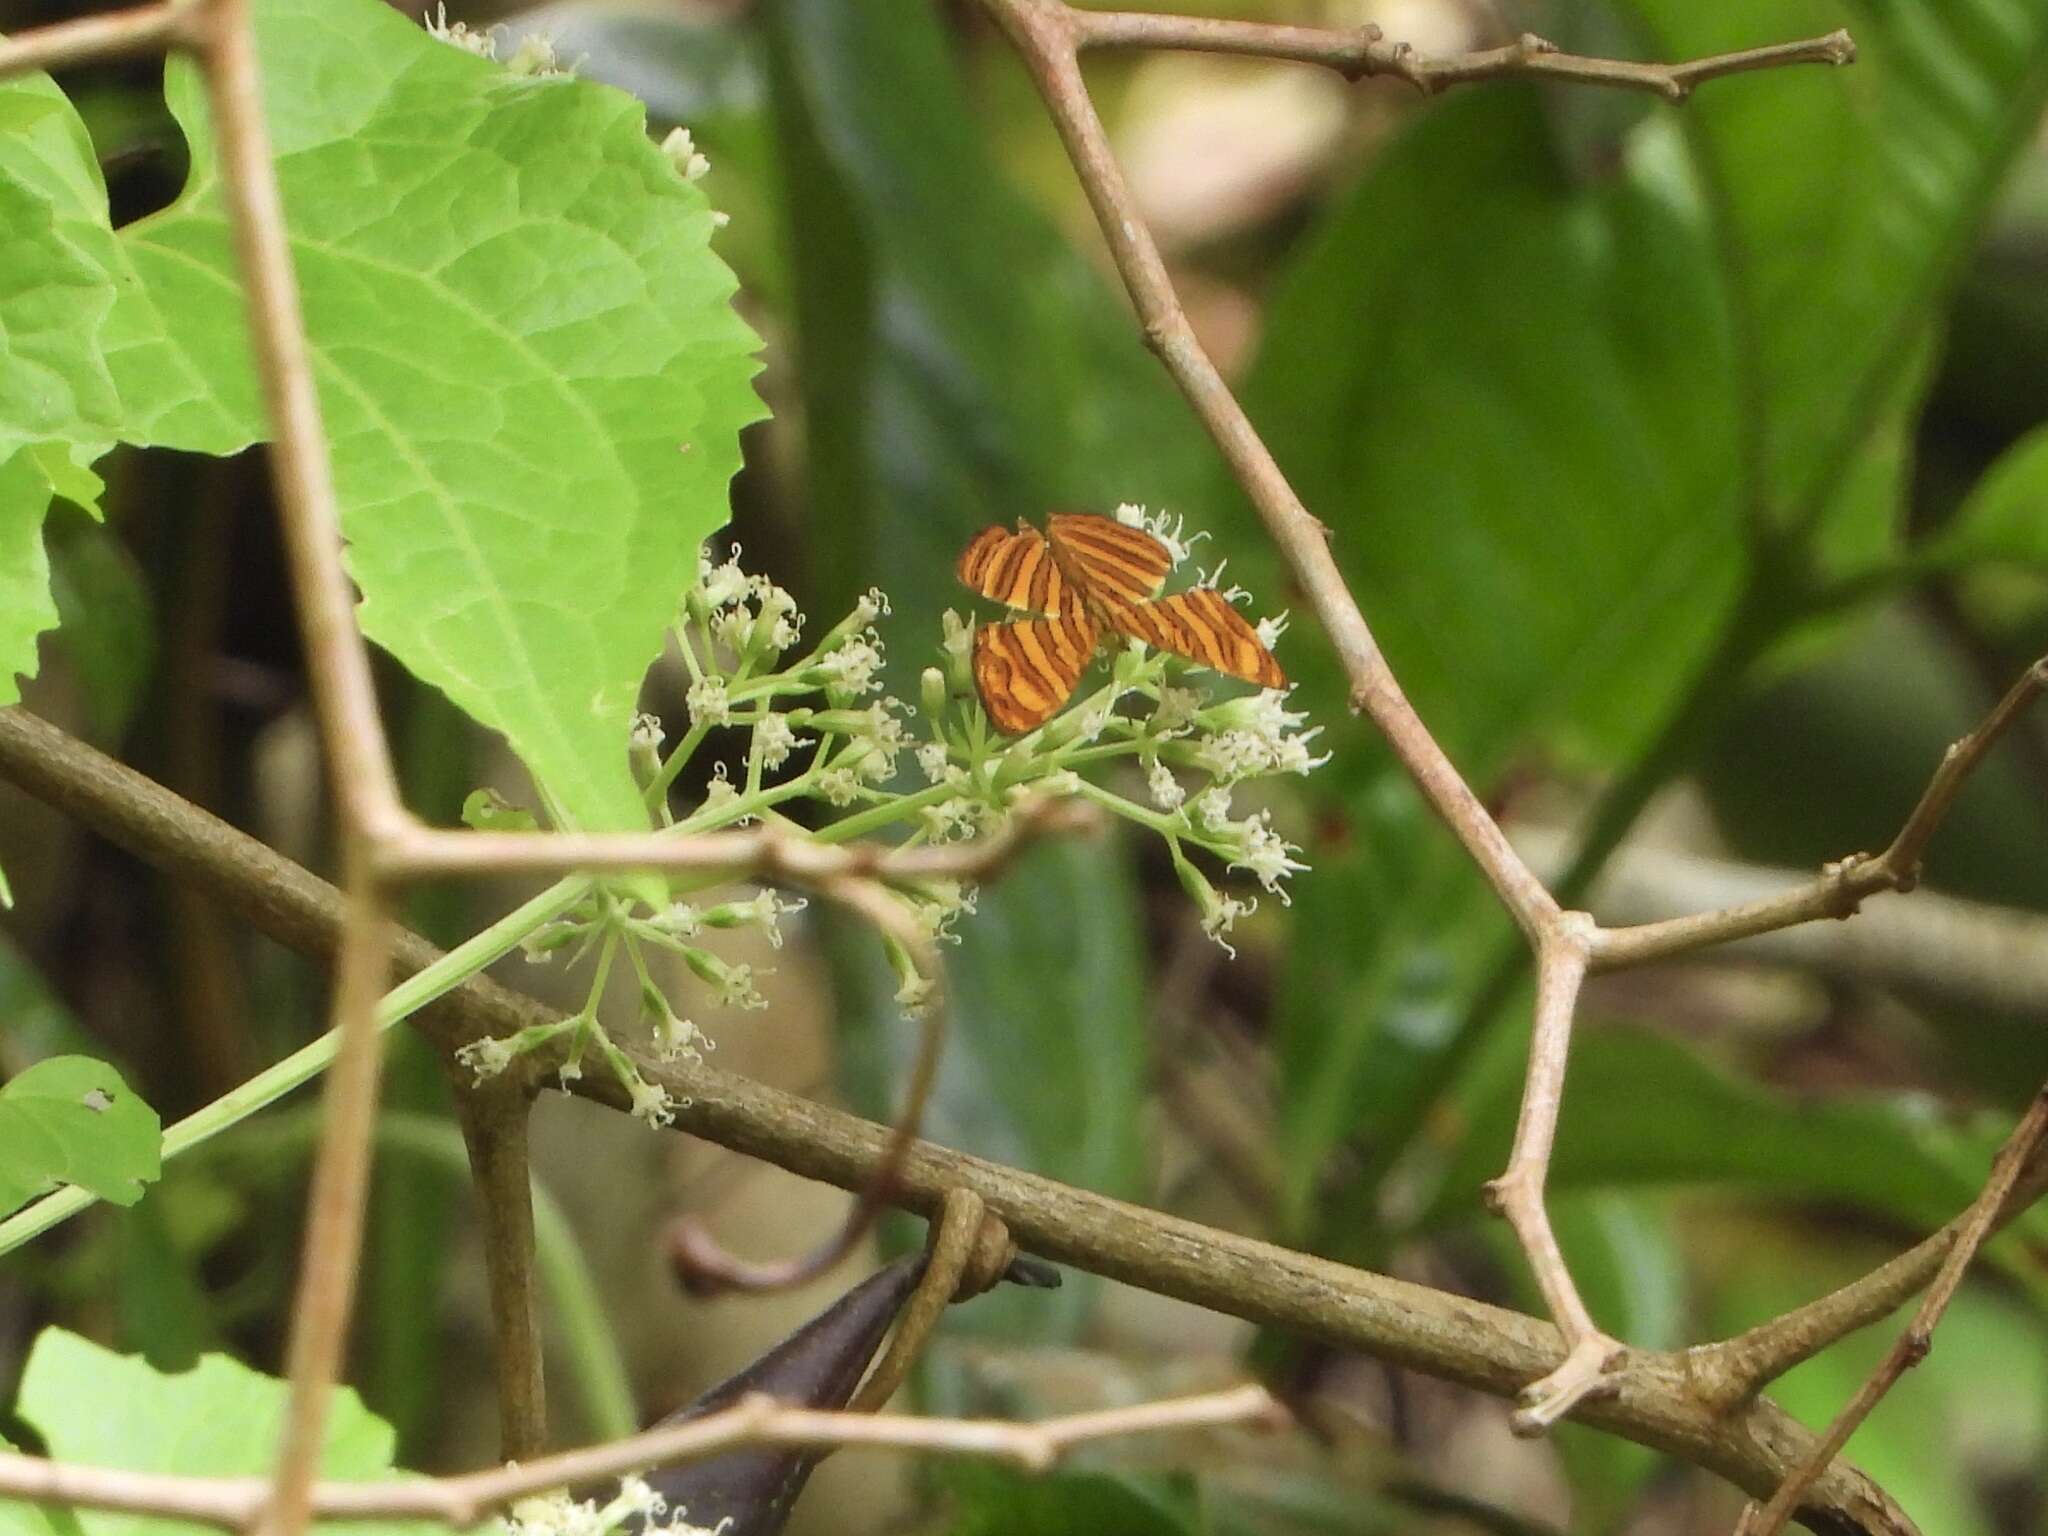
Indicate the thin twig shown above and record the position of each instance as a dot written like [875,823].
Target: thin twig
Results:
[1733,1370]
[334,1229]
[1450,1337]
[360,775]
[1518,1193]
[1968,954]
[1841,887]
[701,1262]
[116,34]
[1360,52]
[494,1117]
[769,851]
[2011,1163]
[461,1502]
[1046,34]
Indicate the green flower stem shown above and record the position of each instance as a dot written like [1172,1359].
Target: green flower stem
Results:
[309,1061]
[402,1001]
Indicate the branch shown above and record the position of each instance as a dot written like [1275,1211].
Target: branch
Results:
[1736,1369]
[117,34]
[766,852]
[1358,53]
[234,1503]
[1842,887]
[1446,1336]
[2012,1164]
[494,1119]
[1967,953]
[1047,34]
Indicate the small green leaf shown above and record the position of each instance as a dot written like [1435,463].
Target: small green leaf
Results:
[2005,519]
[531,372]
[219,1419]
[1531,467]
[72,1120]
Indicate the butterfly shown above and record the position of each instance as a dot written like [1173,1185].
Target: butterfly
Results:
[1084,576]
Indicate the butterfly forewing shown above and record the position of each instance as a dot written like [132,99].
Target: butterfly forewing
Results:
[1201,625]
[1026,669]
[1109,559]
[1016,569]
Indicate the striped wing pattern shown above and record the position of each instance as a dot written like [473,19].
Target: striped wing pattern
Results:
[1108,559]
[1026,669]
[1200,625]
[1016,569]
[1092,573]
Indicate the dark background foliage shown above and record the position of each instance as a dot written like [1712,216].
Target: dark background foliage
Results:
[1681,459]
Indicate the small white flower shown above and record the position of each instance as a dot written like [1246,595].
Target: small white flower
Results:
[959,635]
[959,817]
[885,736]
[767,910]
[1167,793]
[647,734]
[1170,531]
[1222,916]
[720,790]
[1094,720]
[774,739]
[931,757]
[684,155]
[871,605]
[1235,754]
[851,668]
[735,989]
[708,703]
[1271,629]
[1061,781]
[679,1039]
[838,785]
[680,920]
[915,995]
[724,585]
[535,57]
[457,34]
[1269,857]
[486,1058]
[944,902]
[651,1102]
[1212,807]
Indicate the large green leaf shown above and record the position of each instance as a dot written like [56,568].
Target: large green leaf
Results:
[1848,199]
[1512,396]
[71,1120]
[1045,1061]
[531,372]
[218,1419]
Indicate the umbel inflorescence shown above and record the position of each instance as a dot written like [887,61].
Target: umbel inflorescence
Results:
[1153,744]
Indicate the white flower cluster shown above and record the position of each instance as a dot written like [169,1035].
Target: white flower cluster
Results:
[556,1514]
[535,55]
[817,725]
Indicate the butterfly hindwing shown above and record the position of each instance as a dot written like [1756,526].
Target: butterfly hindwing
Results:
[1026,669]
[1109,559]
[1200,625]
[1017,569]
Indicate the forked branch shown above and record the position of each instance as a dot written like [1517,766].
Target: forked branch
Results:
[1359,53]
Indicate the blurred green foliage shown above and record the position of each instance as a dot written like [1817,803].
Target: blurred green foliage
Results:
[1640,437]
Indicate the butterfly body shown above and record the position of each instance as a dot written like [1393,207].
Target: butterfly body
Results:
[1084,577]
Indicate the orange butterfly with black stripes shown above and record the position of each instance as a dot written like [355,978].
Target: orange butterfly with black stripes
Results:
[1086,575]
